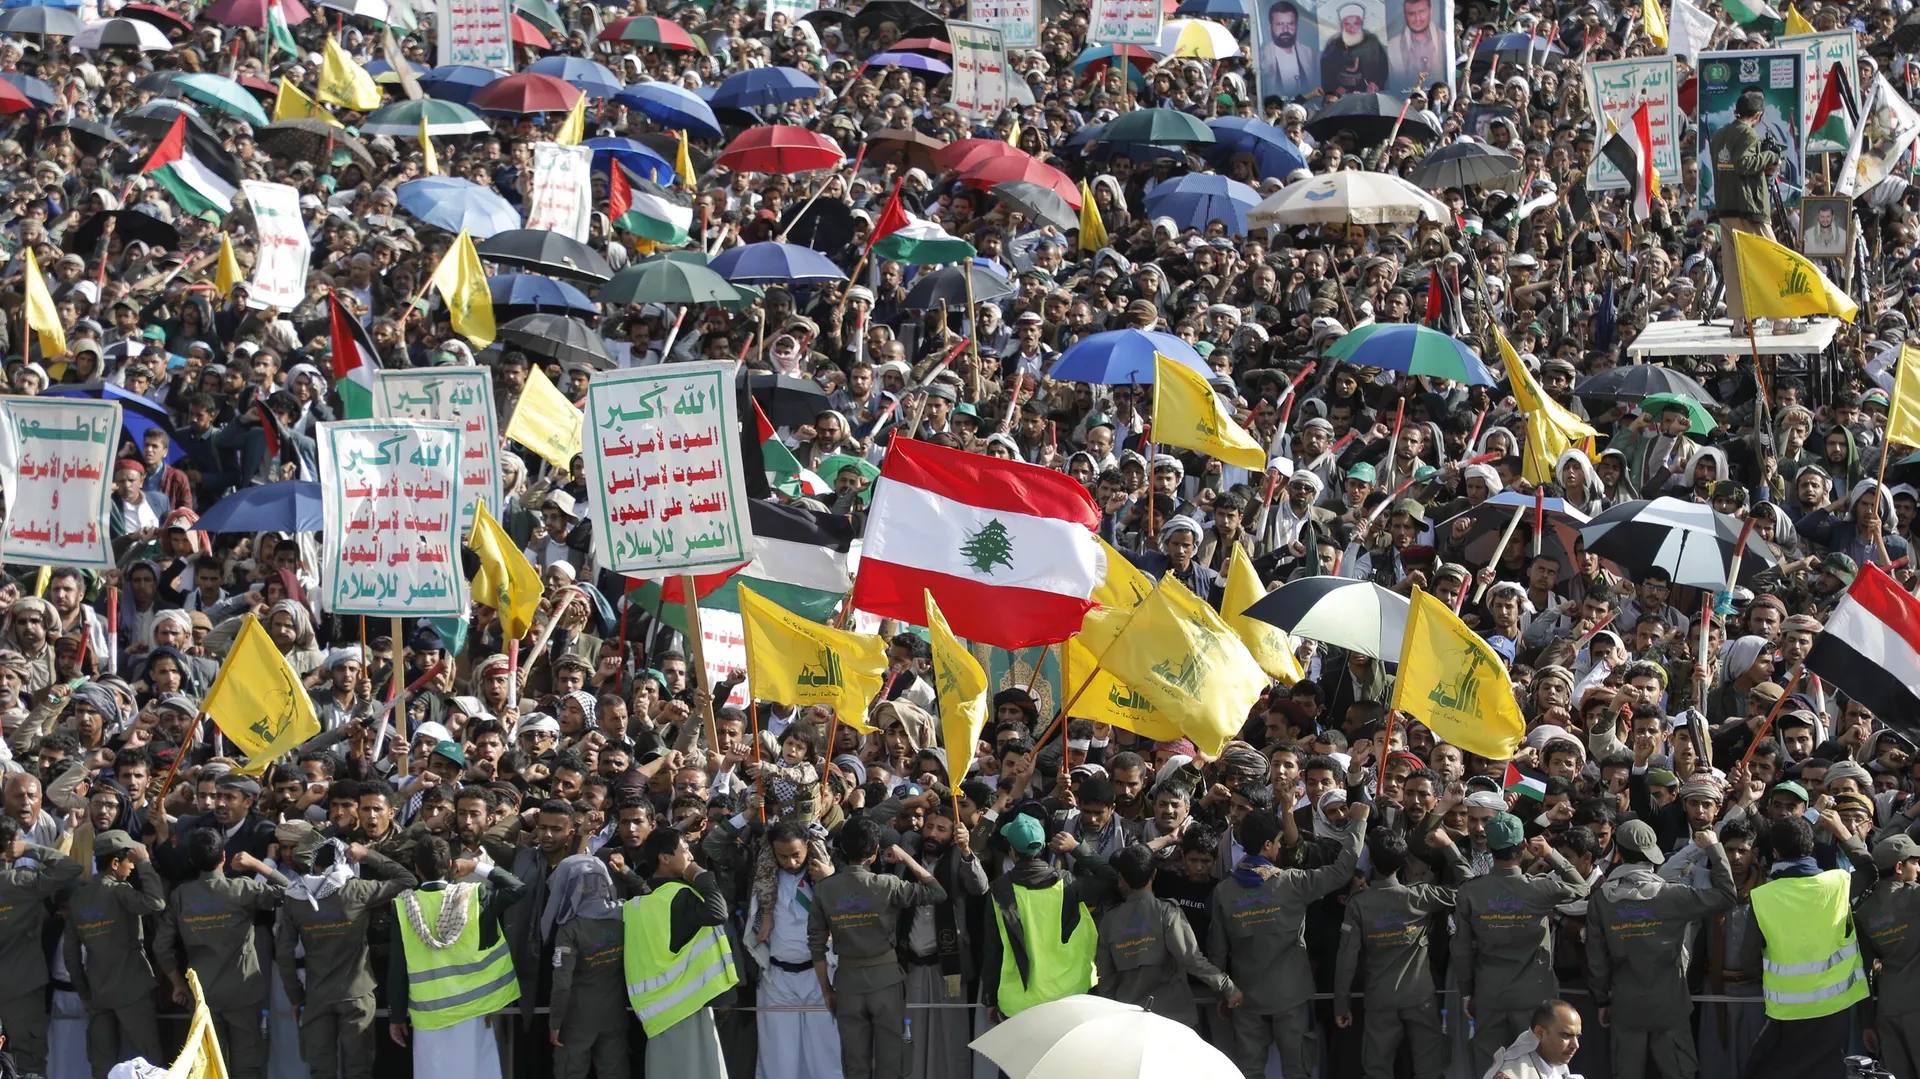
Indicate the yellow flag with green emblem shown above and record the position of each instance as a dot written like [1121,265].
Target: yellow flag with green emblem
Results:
[1551,429]
[507,582]
[227,273]
[1187,413]
[962,687]
[345,83]
[793,661]
[574,130]
[1779,282]
[290,104]
[1453,681]
[1093,231]
[42,317]
[545,422]
[257,700]
[1796,22]
[463,284]
[1105,699]
[1272,648]
[1903,412]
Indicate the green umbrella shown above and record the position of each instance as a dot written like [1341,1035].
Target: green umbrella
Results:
[668,281]
[542,14]
[444,119]
[692,255]
[1413,350]
[219,92]
[1699,421]
[1156,126]
[831,467]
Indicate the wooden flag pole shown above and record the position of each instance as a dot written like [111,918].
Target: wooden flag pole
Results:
[399,669]
[1519,512]
[696,651]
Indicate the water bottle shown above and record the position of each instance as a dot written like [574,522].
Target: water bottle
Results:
[908,1037]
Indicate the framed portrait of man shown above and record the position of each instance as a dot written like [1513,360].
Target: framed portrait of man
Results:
[1824,227]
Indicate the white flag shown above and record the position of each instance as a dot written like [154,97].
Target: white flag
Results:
[1689,31]
[1880,140]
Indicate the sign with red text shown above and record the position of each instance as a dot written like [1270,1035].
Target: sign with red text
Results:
[1616,88]
[1125,22]
[474,32]
[978,89]
[280,269]
[562,195]
[56,466]
[390,496]
[458,395]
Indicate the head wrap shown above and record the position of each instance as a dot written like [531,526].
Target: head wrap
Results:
[1179,523]
[580,887]
[586,702]
[325,879]
[102,700]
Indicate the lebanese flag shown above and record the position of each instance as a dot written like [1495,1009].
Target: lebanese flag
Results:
[891,220]
[1008,549]
[354,360]
[1870,649]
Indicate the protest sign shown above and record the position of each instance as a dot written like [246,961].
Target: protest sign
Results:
[1125,22]
[562,195]
[389,498]
[1349,46]
[1888,128]
[1617,88]
[792,9]
[1724,76]
[724,648]
[56,467]
[663,470]
[1824,51]
[474,32]
[280,269]
[458,395]
[1017,20]
[979,83]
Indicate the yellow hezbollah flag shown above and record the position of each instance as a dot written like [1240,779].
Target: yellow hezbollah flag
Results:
[258,701]
[1176,651]
[793,661]
[507,582]
[1269,644]
[1187,413]
[1105,699]
[1013,134]
[1903,414]
[1551,429]
[227,274]
[545,422]
[1093,231]
[42,317]
[432,165]
[683,165]
[1796,22]
[1778,282]
[1656,23]
[962,687]
[345,83]
[200,1058]
[463,284]
[1453,681]
[291,104]
[574,130]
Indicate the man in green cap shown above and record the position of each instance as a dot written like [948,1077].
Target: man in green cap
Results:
[1889,921]
[114,980]
[208,925]
[31,875]
[1638,929]
[1502,939]
[1358,485]
[1043,940]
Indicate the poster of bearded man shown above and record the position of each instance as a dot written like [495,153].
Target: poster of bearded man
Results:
[1351,46]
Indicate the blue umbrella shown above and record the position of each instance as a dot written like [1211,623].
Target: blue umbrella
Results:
[1122,358]
[138,414]
[457,82]
[1213,9]
[453,204]
[35,91]
[771,262]
[592,79]
[531,292]
[287,506]
[9,5]
[1274,154]
[638,158]
[912,61]
[671,105]
[765,86]
[1198,198]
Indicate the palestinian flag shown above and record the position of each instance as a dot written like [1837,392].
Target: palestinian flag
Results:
[1630,149]
[922,243]
[354,361]
[279,31]
[892,219]
[1834,119]
[800,563]
[784,473]
[1528,784]
[1748,12]
[199,176]
[646,209]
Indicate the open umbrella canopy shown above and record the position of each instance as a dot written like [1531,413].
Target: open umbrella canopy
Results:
[1415,350]
[122,34]
[541,13]
[219,92]
[638,158]
[1462,164]
[253,13]
[788,400]
[444,119]
[1197,38]
[169,22]
[458,83]
[649,30]
[310,139]
[1213,9]
[1160,126]
[949,284]
[1352,196]
[1359,616]
[1370,117]
[526,34]
[287,506]
[1274,154]
[773,263]
[545,251]
[759,86]
[1123,358]
[557,337]
[823,224]
[910,61]
[668,280]
[13,99]
[42,20]
[911,18]
[90,136]
[1097,58]
[917,147]
[525,93]
[965,153]
[1088,1037]
[1199,198]
[1517,47]
[128,225]
[596,80]
[516,294]
[1490,519]
[781,148]
[452,204]
[1038,201]
[1639,381]
[999,170]
[155,118]
[376,10]
[1689,540]
[1699,421]
[671,105]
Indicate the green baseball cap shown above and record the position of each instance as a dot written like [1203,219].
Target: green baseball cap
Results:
[1505,831]
[1363,472]
[1024,835]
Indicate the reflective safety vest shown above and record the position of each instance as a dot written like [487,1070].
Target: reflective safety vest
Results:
[1812,965]
[665,986]
[453,984]
[1055,968]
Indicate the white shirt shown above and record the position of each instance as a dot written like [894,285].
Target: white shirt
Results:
[789,940]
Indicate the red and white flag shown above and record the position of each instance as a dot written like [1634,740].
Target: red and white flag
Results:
[1008,549]
[1870,649]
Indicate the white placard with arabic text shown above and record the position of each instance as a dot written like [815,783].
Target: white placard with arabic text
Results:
[389,493]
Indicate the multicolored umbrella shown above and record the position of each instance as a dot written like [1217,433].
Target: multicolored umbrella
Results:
[1197,38]
[17,98]
[444,118]
[1413,350]
[1359,616]
[649,30]
[527,92]
[910,61]
[781,148]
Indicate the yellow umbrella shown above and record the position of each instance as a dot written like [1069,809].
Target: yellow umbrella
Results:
[1198,38]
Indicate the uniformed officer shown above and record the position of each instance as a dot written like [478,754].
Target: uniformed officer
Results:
[588,1016]
[1889,920]
[1503,940]
[208,925]
[114,980]
[1147,949]
[859,909]
[32,874]
[1638,926]
[1384,939]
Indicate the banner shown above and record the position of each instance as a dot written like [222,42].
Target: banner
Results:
[562,194]
[462,396]
[55,449]
[280,268]
[723,640]
[388,491]
[792,9]
[1017,20]
[1343,46]
[1887,129]
[1125,22]
[1689,31]
[663,470]
[1824,51]
[979,85]
[474,32]
[1724,76]
[1618,87]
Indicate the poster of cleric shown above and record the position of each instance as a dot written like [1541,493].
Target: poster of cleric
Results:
[1344,46]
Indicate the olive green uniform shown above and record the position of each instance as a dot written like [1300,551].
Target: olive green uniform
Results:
[1740,164]
[1503,949]
[859,909]
[23,996]
[1384,940]
[1147,951]
[589,1003]
[115,980]
[208,925]
[336,999]
[1889,923]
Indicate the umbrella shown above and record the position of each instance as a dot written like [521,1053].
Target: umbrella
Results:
[999,170]
[13,99]
[668,280]
[910,18]
[35,91]
[1198,38]
[1360,198]
[1412,349]
[457,83]
[1699,422]
[1200,198]
[825,225]
[541,13]
[444,119]
[924,44]
[1517,47]
[309,139]
[590,78]
[287,506]
[637,156]
[375,10]
[1638,381]
[558,338]
[1371,117]
[1490,519]
[1359,616]
[765,86]
[218,92]
[138,414]
[129,225]
[947,284]
[526,92]
[788,400]
[89,136]
[526,34]
[1088,1037]
[122,34]
[775,263]
[781,148]
[1160,126]
[671,105]
[253,13]
[545,251]
[1090,141]
[830,469]
[916,147]
[1274,154]
[1123,358]
[910,61]
[967,153]
[41,20]
[155,118]
[648,30]
[1687,539]
[1097,58]
[167,21]
[454,204]
[1462,164]
[1215,9]
[516,294]
[1038,201]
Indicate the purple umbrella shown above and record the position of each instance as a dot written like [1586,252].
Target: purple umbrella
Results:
[911,60]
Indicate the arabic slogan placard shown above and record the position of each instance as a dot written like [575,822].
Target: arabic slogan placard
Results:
[390,499]
[1017,20]
[475,32]
[1616,88]
[562,196]
[1125,22]
[280,268]
[663,470]
[1823,52]
[459,395]
[978,89]
[59,459]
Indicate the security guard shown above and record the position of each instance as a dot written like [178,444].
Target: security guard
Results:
[1384,938]
[678,958]
[1502,940]
[859,909]
[1044,938]
[208,925]
[1889,919]
[1147,949]
[24,887]
[588,1020]
[452,970]
[114,980]
[1638,926]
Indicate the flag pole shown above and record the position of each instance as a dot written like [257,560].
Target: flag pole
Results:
[400,697]
[696,650]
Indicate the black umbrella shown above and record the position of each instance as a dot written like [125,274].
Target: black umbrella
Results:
[309,139]
[90,136]
[129,225]
[667,145]
[787,400]
[1463,164]
[1906,36]
[155,118]
[1370,117]
[1038,201]
[559,338]
[1638,381]
[159,82]
[547,252]
[910,18]
[826,225]
[41,20]
[947,284]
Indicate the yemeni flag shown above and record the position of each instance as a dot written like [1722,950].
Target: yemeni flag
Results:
[799,562]
[1007,548]
[200,177]
[892,219]
[1527,783]
[1630,149]
[354,361]
[922,243]
[1870,649]
[279,31]
[646,209]
[1834,119]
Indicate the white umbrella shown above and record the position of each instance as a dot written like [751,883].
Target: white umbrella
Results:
[1349,196]
[1088,1037]
[371,9]
[1198,38]
[1359,616]
[122,34]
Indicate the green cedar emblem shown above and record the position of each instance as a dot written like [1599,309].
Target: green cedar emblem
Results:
[988,547]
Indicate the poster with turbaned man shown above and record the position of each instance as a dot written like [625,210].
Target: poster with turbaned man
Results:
[1320,49]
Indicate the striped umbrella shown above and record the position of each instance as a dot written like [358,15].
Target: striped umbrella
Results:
[1414,350]
[1689,540]
[1359,616]
[1197,38]
[649,30]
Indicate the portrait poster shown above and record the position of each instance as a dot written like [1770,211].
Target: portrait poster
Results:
[1345,46]
[1824,51]
[1617,88]
[1724,76]
[1825,224]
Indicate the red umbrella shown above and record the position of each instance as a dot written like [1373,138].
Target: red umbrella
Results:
[1001,170]
[961,155]
[525,33]
[781,148]
[12,100]
[650,30]
[252,13]
[923,44]
[167,21]
[526,92]
[257,84]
